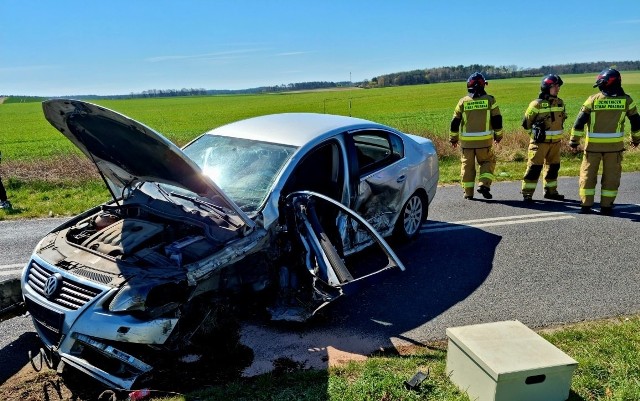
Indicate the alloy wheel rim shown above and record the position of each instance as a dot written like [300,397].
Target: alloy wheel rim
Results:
[413,215]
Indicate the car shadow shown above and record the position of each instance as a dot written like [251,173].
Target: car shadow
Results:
[441,271]
[15,355]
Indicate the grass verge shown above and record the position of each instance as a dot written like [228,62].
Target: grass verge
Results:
[606,351]
[67,185]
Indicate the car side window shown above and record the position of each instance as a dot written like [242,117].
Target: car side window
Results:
[321,171]
[376,149]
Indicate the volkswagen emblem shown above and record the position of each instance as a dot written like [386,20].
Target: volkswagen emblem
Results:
[51,285]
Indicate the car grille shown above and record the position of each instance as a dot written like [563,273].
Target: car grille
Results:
[70,294]
[49,322]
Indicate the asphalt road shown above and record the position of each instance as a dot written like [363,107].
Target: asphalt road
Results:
[475,261]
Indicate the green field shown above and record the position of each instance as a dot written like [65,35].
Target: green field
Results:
[33,150]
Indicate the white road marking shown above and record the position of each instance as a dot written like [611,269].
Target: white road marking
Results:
[10,270]
[497,221]
[492,219]
[507,220]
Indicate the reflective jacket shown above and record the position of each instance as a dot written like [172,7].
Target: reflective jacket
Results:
[476,122]
[551,110]
[604,117]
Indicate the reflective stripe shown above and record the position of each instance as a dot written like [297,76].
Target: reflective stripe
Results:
[598,137]
[483,133]
[476,136]
[609,193]
[587,192]
[487,175]
[576,132]
[535,110]
[621,121]
[468,184]
[605,134]
[551,184]
[529,185]
[554,134]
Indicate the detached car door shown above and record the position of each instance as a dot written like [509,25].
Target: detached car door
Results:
[325,228]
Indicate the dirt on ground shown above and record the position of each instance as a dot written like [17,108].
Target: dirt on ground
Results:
[171,379]
[70,167]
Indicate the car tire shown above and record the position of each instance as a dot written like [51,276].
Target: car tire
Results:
[413,214]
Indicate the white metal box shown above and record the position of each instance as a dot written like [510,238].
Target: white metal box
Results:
[507,361]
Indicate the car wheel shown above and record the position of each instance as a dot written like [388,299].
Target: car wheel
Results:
[413,213]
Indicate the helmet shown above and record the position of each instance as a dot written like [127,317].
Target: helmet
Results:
[476,81]
[608,79]
[550,80]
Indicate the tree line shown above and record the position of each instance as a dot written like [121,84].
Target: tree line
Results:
[413,77]
[461,73]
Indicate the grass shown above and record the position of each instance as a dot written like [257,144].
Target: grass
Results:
[606,351]
[45,174]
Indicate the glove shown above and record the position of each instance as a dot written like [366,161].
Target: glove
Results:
[454,143]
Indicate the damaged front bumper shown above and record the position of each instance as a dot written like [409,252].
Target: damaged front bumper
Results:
[91,339]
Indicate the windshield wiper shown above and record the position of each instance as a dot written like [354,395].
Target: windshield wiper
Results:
[219,210]
[164,192]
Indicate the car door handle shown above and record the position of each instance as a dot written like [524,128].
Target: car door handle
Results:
[401,178]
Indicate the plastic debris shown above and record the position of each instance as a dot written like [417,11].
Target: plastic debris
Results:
[415,381]
[139,394]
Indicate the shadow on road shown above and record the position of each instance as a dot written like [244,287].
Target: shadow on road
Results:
[620,210]
[15,355]
[441,271]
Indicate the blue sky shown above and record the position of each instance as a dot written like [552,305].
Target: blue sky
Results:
[68,47]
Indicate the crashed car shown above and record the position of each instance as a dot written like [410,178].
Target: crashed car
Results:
[291,206]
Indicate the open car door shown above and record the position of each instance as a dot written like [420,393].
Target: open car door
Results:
[328,236]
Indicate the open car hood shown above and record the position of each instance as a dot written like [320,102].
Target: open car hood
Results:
[126,151]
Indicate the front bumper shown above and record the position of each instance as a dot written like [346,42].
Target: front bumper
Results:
[80,331]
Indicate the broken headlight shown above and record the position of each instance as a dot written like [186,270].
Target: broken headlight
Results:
[148,299]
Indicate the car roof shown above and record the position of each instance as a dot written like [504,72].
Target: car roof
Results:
[295,129]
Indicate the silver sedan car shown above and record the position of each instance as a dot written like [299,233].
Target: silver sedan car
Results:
[289,208]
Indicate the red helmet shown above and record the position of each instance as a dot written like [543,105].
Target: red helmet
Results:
[608,79]
[550,80]
[476,81]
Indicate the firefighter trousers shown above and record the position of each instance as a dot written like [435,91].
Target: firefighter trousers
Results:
[542,155]
[611,172]
[486,160]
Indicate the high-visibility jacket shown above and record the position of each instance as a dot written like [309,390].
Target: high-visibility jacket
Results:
[604,117]
[551,110]
[476,122]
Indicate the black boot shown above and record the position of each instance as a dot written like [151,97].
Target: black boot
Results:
[585,210]
[606,210]
[553,195]
[484,191]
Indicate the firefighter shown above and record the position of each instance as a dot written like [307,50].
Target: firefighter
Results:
[603,114]
[544,119]
[476,124]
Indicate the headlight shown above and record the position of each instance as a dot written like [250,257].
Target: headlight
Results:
[152,300]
